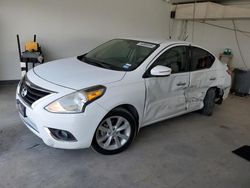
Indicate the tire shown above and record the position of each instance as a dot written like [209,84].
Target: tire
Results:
[209,102]
[115,132]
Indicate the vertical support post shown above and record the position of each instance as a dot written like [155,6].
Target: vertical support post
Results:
[19,47]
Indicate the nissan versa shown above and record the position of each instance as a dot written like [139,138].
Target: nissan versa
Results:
[102,98]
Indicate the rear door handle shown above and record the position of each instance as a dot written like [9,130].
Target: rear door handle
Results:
[181,84]
[212,79]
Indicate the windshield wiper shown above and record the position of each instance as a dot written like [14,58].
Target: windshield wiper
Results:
[104,65]
[100,64]
[93,62]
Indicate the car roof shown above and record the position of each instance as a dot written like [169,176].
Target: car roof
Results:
[166,42]
[161,41]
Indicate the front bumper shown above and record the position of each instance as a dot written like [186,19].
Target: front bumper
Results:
[81,125]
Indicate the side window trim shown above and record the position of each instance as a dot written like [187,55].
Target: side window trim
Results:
[152,62]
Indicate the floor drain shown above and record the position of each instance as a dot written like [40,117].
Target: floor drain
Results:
[243,152]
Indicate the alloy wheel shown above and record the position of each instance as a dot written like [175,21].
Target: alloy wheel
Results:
[113,133]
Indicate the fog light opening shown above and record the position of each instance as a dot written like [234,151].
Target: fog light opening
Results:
[62,135]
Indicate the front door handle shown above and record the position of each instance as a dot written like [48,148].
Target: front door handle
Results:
[212,79]
[181,84]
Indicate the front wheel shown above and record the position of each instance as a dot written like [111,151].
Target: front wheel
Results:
[115,132]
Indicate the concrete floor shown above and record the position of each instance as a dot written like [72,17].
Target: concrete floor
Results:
[187,151]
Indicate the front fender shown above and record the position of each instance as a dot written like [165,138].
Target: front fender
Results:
[132,94]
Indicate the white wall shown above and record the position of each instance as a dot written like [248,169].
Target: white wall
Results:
[217,39]
[70,27]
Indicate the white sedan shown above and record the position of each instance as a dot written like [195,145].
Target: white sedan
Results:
[102,98]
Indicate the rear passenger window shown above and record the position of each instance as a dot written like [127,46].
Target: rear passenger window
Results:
[201,59]
[174,58]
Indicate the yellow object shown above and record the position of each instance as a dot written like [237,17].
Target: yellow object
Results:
[31,46]
[91,95]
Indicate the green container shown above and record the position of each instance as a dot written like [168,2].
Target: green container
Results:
[227,51]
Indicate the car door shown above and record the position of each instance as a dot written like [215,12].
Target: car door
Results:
[165,96]
[202,77]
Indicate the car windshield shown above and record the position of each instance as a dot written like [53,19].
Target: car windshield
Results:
[119,54]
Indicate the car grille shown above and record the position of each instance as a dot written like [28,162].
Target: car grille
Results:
[31,93]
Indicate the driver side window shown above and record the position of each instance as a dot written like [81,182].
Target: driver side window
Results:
[174,58]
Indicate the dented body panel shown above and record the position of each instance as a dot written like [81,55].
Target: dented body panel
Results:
[180,93]
[165,97]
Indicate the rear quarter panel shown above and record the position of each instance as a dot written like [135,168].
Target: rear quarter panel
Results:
[224,80]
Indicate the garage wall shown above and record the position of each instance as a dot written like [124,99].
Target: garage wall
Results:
[217,39]
[68,28]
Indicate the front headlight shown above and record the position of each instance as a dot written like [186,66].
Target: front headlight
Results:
[77,101]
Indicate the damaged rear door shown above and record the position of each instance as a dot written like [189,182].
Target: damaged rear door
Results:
[202,77]
[165,96]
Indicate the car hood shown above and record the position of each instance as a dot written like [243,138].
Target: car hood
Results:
[75,74]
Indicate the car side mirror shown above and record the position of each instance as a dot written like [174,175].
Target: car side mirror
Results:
[160,70]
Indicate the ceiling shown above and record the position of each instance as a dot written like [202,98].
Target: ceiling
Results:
[217,1]
[187,1]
